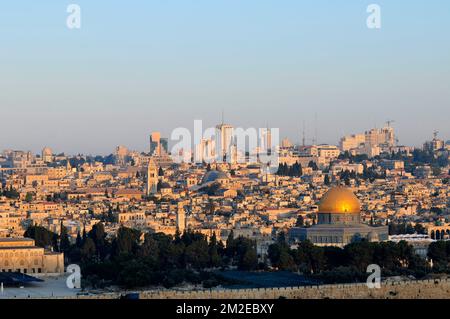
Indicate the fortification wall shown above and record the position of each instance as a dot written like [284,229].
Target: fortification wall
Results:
[423,289]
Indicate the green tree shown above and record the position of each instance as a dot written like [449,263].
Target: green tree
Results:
[64,242]
[249,259]
[88,250]
[196,254]
[126,241]
[439,251]
[215,259]
[29,197]
[42,237]
[79,240]
[300,221]
[313,165]
[98,235]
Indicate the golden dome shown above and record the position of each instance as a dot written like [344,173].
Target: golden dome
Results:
[339,200]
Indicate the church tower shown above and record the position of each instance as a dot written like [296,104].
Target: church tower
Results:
[181,218]
[152,178]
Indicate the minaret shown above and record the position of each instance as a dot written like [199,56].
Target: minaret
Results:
[181,218]
[152,178]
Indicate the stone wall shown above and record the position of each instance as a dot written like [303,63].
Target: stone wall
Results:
[422,289]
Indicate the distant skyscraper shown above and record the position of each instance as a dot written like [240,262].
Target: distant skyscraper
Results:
[224,137]
[164,145]
[155,143]
[158,145]
[266,140]
[435,144]
[205,150]
[383,139]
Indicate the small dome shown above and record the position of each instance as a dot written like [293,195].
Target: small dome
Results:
[213,176]
[339,200]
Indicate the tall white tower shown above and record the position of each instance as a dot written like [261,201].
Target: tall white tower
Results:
[224,137]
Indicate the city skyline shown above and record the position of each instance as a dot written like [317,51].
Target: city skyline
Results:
[302,139]
[153,66]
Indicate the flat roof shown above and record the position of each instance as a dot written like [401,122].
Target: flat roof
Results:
[20,247]
[11,239]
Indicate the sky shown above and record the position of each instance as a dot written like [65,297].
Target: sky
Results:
[140,66]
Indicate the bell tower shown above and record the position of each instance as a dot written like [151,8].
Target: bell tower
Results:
[181,217]
[152,178]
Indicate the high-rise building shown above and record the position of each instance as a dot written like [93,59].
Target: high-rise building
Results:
[224,138]
[158,145]
[164,145]
[435,144]
[266,140]
[382,139]
[155,143]
[205,150]
[350,142]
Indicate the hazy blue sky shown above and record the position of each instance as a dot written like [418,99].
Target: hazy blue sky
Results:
[137,66]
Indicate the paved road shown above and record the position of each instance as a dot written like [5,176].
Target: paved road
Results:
[51,287]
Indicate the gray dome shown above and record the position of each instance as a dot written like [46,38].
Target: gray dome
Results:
[213,176]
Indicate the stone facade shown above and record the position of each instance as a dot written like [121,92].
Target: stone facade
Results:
[420,289]
[21,255]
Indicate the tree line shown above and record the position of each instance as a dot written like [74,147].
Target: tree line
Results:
[348,264]
[133,259]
